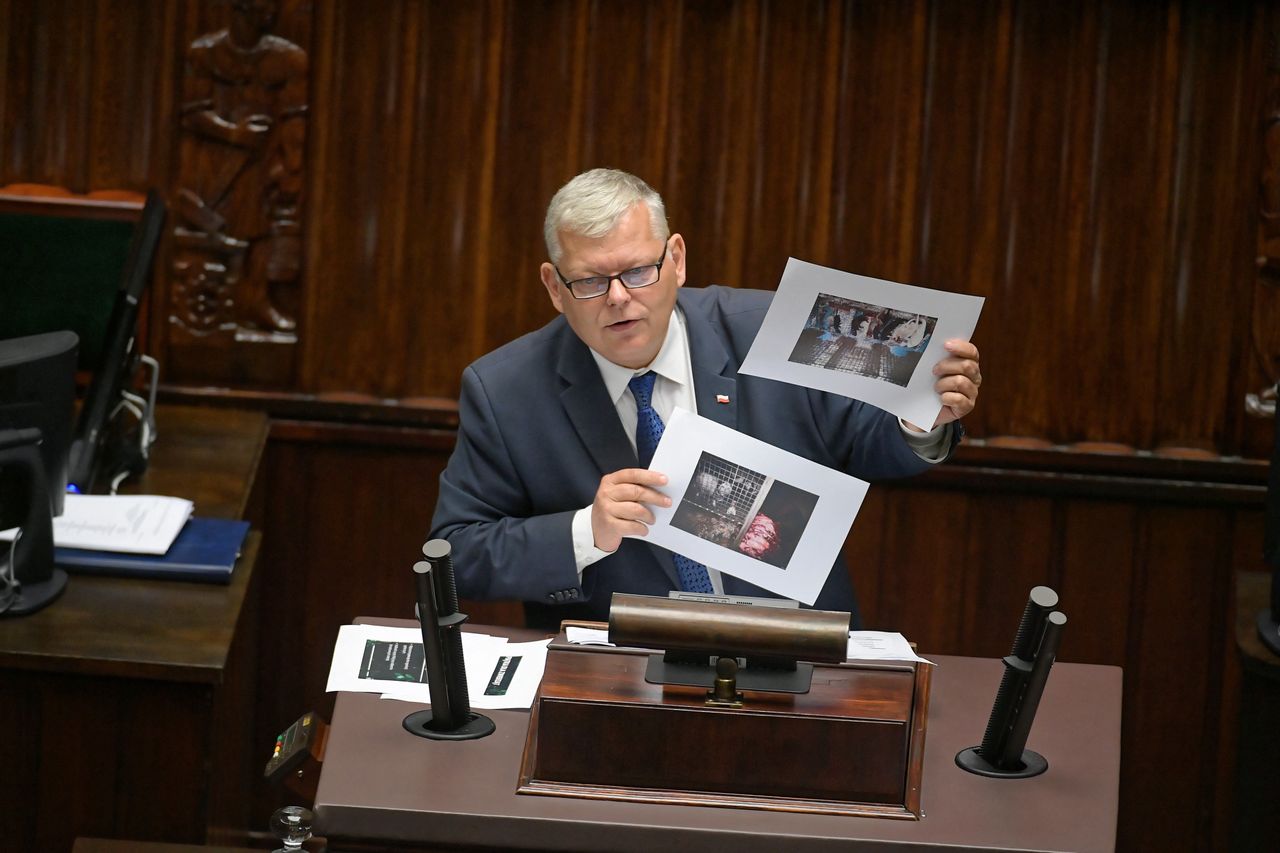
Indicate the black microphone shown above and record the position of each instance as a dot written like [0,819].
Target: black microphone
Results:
[439,555]
[1017,668]
[450,716]
[1002,753]
[428,619]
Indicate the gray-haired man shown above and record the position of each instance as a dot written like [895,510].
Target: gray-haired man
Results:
[545,481]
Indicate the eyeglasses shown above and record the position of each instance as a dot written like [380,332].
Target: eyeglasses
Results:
[597,285]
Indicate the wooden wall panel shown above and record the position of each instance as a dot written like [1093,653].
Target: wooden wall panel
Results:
[363,215]
[1095,551]
[1210,236]
[87,95]
[877,125]
[537,138]
[1090,167]
[66,722]
[1008,550]
[130,94]
[1174,645]
[453,215]
[912,600]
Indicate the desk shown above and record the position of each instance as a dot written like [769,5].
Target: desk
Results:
[123,703]
[382,788]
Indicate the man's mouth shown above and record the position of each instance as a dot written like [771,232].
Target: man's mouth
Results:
[621,325]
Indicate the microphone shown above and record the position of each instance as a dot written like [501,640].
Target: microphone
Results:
[450,716]
[1003,752]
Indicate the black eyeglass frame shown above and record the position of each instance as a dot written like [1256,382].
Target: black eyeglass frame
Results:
[656,278]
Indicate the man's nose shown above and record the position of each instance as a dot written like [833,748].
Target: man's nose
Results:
[617,295]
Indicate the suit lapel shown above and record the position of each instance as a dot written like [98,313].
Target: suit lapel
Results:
[589,408]
[713,382]
[713,375]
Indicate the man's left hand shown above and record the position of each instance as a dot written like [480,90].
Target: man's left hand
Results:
[958,381]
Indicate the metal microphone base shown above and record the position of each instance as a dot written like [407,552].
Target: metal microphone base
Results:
[476,726]
[1033,764]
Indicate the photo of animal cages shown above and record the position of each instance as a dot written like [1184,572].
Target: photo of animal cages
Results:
[744,510]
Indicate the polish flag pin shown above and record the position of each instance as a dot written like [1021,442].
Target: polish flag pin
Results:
[722,398]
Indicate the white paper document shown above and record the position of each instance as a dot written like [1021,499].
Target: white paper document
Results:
[881,645]
[132,524]
[502,676]
[748,509]
[865,338]
[391,661]
[587,636]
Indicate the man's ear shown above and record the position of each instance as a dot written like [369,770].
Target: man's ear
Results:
[552,283]
[677,258]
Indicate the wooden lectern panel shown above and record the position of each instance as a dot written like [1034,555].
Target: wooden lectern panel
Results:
[852,745]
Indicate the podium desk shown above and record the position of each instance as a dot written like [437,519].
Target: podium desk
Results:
[383,788]
[123,702]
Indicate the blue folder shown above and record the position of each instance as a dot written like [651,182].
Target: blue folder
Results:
[205,550]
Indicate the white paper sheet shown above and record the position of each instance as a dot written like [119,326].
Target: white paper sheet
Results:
[132,524]
[861,337]
[499,674]
[350,669]
[749,509]
[587,636]
[881,645]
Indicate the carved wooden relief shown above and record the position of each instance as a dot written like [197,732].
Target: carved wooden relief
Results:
[235,260]
[1269,198]
[1266,313]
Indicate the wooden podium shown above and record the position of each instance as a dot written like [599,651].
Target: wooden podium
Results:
[852,745]
[381,788]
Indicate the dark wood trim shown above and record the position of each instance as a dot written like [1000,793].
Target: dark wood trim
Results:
[420,412]
[42,200]
[1065,484]
[326,414]
[348,434]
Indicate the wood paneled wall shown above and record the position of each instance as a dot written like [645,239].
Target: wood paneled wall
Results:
[1091,168]
[1094,169]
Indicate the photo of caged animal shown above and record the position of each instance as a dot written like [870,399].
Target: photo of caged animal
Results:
[749,512]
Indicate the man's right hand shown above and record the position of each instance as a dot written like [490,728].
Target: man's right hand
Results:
[619,508]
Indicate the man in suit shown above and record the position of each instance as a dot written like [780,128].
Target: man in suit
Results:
[546,481]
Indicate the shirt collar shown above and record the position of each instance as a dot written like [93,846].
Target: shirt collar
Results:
[671,362]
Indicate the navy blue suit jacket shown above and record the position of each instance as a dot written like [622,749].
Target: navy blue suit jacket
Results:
[538,431]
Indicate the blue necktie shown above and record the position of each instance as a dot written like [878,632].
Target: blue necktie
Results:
[693,576]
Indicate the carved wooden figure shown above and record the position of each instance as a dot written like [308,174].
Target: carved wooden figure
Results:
[237,238]
[1266,314]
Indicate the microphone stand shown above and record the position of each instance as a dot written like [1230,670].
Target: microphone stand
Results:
[450,716]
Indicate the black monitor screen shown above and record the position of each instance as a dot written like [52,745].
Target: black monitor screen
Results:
[61,273]
[37,390]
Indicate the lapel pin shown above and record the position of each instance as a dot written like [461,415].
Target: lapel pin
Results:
[722,398]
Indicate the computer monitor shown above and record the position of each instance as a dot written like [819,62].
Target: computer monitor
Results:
[118,359]
[37,397]
[85,271]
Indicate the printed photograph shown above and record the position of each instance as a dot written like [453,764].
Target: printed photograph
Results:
[386,661]
[741,509]
[868,340]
